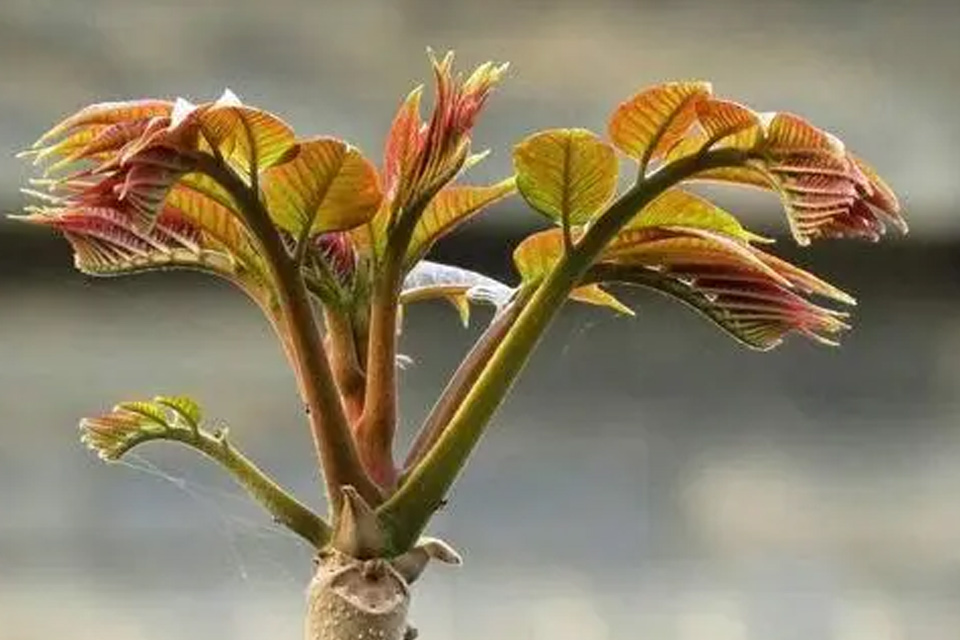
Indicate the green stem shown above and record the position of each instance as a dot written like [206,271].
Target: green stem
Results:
[407,512]
[328,423]
[284,508]
[463,378]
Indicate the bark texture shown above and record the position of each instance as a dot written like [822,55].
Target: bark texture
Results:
[350,599]
[354,599]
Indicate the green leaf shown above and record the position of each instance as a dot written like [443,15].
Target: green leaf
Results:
[450,208]
[186,408]
[676,207]
[566,174]
[537,255]
[133,423]
[328,186]
[649,124]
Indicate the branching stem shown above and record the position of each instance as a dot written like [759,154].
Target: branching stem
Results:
[284,508]
[328,423]
[407,512]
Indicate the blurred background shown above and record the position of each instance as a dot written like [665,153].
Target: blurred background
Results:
[647,479]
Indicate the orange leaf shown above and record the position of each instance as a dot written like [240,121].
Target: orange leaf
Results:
[249,139]
[402,141]
[450,208]
[328,186]
[648,125]
[107,113]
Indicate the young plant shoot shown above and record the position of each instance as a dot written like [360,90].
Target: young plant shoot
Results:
[330,247]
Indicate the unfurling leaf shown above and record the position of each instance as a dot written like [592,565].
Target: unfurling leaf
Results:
[431,280]
[566,174]
[328,186]
[250,140]
[192,234]
[421,158]
[826,191]
[133,423]
[687,247]
[649,124]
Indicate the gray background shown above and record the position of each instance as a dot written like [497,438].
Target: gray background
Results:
[647,479]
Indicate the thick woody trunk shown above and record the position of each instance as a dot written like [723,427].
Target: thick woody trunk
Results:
[350,599]
[356,593]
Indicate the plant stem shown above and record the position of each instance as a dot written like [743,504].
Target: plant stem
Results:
[463,379]
[284,508]
[407,512]
[376,429]
[328,423]
[344,361]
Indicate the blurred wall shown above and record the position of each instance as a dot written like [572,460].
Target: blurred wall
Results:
[647,479]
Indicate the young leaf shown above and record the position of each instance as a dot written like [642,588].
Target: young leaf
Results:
[826,191]
[108,242]
[682,208]
[539,252]
[250,140]
[566,174]
[328,186]
[752,295]
[431,280]
[178,419]
[649,124]
[595,295]
[97,117]
[450,208]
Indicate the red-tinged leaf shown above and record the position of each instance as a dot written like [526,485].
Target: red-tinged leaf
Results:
[107,113]
[108,242]
[220,226]
[328,186]
[649,124]
[421,159]
[196,234]
[450,208]
[880,194]
[566,174]
[676,207]
[752,295]
[826,192]
[750,308]
[788,133]
[668,249]
[722,120]
[250,139]
[804,281]
[130,424]
[106,141]
[147,181]
[403,142]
